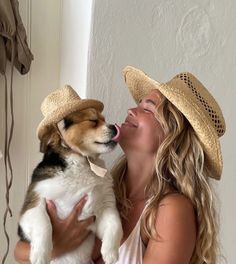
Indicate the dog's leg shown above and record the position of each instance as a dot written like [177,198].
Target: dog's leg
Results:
[36,225]
[109,230]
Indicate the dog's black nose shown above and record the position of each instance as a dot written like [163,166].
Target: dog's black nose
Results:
[113,130]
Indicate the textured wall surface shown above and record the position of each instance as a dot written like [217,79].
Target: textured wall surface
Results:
[163,38]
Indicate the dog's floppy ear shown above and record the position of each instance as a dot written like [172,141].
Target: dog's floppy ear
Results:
[44,143]
[49,137]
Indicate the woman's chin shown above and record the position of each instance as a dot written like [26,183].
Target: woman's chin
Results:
[124,143]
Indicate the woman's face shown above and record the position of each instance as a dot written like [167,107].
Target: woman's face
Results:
[141,131]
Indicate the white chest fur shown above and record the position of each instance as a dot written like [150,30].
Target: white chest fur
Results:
[66,188]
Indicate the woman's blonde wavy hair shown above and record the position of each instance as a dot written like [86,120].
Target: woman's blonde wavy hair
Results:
[180,164]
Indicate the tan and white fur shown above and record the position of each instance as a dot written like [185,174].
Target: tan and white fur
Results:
[65,176]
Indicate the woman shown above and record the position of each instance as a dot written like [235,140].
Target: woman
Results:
[171,146]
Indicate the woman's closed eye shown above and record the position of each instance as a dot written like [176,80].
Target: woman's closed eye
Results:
[146,107]
[148,110]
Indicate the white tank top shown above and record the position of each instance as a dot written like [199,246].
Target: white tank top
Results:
[132,250]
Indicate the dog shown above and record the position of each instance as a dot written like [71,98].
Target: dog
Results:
[71,168]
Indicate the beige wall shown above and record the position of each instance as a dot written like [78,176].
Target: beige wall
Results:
[76,21]
[160,37]
[42,22]
[163,38]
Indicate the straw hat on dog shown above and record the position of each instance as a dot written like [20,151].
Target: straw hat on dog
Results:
[61,103]
[196,103]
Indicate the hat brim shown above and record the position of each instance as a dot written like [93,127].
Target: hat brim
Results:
[65,110]
[140,84]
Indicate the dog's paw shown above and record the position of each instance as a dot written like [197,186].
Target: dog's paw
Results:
[40,256]
[109,255]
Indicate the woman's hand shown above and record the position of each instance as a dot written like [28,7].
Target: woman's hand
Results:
[21,252]
[69,233]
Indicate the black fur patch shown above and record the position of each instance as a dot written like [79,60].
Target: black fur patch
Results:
[67,123]
[21,234]
[52,163]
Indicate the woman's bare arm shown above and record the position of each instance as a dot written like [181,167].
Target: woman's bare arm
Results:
[96,256]
[68,234]
[176,224]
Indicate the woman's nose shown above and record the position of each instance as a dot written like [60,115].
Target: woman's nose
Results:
[132,111]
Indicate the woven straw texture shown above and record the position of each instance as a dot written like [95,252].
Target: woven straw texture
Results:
[189,95]
[61,103]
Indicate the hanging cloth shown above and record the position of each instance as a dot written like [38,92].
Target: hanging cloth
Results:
[13,47]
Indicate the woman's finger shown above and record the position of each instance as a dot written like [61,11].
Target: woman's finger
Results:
[77,209]
[52,211]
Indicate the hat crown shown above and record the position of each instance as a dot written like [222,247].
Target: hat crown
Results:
[59,98]
[203,98]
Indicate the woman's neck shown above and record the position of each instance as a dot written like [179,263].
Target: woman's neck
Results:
[140,169]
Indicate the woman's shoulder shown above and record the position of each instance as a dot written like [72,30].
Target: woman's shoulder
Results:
[176,212]
[176,231]
[174,208]
[176,222]
[175,216]
[175,200]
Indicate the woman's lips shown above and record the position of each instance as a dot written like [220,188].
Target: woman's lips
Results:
[130,123]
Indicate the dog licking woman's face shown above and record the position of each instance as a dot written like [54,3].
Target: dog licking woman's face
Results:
[87,133]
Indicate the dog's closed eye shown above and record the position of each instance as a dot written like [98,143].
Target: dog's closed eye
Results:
[94,121]
[67,123]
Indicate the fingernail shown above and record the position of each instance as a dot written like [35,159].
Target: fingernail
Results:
[85,197]
[49,203]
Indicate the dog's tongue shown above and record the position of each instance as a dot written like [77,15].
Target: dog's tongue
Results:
[117,136]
